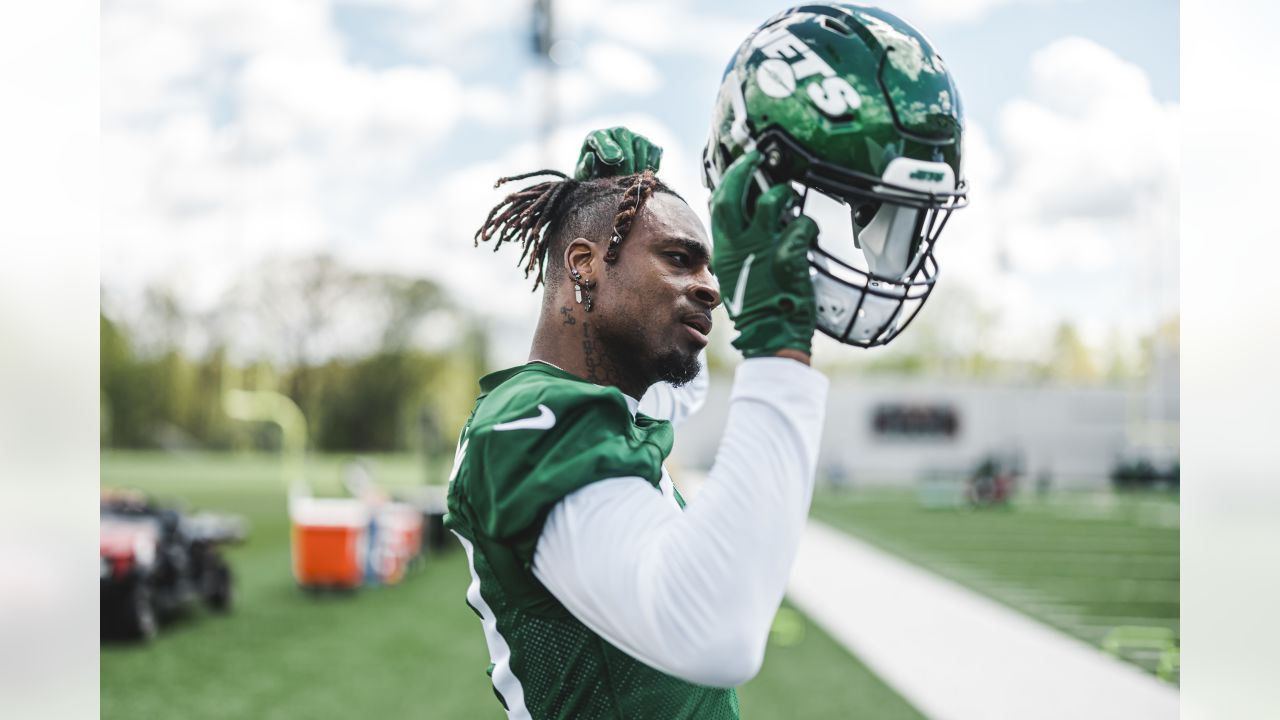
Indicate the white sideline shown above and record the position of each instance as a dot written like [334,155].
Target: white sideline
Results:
[954,654]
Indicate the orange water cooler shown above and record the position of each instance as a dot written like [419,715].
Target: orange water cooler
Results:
[330,541]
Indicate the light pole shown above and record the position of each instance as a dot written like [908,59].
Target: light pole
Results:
[543,41]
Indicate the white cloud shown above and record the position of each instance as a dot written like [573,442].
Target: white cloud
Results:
[1075,202]
[621,69]
[488,105]
[605,73]
[1091,147]
[1077,77]
[437,29]
[450,30]
[929,13]
[141,66]
[659,27]
[331,101]
[237,130]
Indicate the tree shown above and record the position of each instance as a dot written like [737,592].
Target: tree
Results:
[1070,359]
[366,355]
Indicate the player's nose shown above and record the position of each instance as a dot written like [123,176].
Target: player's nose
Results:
[706,290]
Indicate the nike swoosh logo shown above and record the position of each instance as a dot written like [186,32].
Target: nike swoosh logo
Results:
[457,459]
[734,306]
[545,420]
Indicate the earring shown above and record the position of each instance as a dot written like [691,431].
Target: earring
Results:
[611,254]
[580,288]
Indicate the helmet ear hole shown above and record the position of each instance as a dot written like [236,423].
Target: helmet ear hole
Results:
[726,157]
[835,25]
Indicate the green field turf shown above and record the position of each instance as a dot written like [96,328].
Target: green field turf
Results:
[412,650]
[1085,563]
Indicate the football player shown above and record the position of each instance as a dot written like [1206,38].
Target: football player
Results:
[600,593]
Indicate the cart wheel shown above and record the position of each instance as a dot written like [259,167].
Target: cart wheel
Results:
[138,613]
[218,593]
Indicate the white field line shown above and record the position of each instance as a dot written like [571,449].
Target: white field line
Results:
[954,654]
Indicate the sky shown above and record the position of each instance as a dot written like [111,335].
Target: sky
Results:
[236,131]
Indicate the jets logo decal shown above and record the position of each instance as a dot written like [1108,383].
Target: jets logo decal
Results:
[776,78]
[791,61]
[544,420]
[927,175]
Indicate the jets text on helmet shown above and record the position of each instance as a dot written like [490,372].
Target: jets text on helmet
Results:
[833,95]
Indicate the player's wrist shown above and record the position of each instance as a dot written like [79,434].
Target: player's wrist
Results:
[767,335]
[797,355]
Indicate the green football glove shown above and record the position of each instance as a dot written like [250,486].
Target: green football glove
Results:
[761,259]
[616,151]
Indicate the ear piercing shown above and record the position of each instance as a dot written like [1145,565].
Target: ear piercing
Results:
[580,288]
[611,253]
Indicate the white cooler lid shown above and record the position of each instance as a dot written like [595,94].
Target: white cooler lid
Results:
[328,512]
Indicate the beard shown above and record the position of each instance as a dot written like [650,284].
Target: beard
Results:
[678,368]
[639,363]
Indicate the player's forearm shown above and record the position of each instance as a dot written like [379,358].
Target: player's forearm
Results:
[738,539]
[693,594]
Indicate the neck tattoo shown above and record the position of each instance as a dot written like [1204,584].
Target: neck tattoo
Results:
[601,370]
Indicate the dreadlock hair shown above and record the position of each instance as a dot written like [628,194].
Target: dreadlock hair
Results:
[545,216]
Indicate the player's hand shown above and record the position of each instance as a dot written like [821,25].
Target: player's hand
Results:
[616,151]
[761,259]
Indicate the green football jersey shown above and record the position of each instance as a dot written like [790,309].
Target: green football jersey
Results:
[537,434]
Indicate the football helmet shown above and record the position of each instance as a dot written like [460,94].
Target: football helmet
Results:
[854,107]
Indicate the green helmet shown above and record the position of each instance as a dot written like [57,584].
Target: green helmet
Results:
[855,108]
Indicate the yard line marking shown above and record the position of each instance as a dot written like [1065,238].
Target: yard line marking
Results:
[955,654]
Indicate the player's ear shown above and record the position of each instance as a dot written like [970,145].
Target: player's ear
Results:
[580,255]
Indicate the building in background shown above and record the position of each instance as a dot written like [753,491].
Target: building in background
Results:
[900,431]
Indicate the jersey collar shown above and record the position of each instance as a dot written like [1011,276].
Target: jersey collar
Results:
[494,379]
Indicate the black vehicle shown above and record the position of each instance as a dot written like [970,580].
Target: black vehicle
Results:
[157,563]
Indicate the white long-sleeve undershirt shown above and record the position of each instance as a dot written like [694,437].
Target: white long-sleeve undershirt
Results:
[668,402]
[694,593]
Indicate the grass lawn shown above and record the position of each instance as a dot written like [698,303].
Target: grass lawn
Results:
[1085,563]
[412,650]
